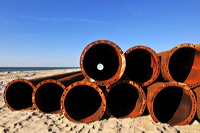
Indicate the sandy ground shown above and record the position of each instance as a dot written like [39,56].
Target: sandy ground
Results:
[33,122]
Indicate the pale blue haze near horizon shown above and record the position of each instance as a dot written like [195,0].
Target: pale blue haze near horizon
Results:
[53,33]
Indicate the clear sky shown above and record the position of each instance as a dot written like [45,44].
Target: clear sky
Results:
[54,32]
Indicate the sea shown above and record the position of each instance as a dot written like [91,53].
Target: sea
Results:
[12,69]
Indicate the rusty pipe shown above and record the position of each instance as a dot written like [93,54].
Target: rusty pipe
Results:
[18,92]
[142,65]
[197,93]
[125,98]
[83,102]
[171,102]
[47,95]
[181,64]
[102,62]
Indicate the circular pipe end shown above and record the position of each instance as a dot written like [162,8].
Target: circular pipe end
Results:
[181,64]
[47,95]
[125,99]
[142,65]
[106,54]
[172,102]
[18,95]
[83,102]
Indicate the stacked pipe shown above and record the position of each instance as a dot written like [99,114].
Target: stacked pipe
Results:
[125,98]
[18,92]
[118,84]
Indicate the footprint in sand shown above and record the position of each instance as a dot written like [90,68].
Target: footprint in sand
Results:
[167,128]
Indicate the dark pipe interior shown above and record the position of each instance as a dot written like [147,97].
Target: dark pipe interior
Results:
[19,95]
[48,96]
[166,103]
[121,100]
[138,65]
[180,64]
[101,54]
[82,101]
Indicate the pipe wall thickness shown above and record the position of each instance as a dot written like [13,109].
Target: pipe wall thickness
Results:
[47,95]
[171,102]
[181,64]
[102,62]
[18,92]
[83,102]
[125,99]
[142,65]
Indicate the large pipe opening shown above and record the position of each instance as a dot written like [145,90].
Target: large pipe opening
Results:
[139,64]
[172,105]
[105,55]
[48,96]
[181,64]
[122,99]
[81,102]
[19,96]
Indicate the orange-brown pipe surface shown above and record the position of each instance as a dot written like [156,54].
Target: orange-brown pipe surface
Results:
[47,95]
[171,102]
[142,65]
[108,56]
[181,64]
[197,93]
[83,102]
[18,92]
[125,98]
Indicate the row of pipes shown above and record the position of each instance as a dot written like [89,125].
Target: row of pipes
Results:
[118,85]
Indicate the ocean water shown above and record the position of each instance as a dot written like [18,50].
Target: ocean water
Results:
[11,69]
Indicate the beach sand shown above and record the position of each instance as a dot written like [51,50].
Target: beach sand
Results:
[30,121]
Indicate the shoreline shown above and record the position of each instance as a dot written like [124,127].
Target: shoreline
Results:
[33,122]
[33,74]
[24,69]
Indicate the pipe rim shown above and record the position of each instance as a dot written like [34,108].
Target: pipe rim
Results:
[156,70]
[38,86]
[97,115]
[15,81]
[165,64]
[122,63]
[140,91]
[183,86]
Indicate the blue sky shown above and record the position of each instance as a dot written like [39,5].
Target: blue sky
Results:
[54,32]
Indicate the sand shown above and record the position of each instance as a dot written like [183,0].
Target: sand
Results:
[30,121]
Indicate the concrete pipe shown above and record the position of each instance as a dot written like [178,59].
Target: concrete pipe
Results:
[142,65]
[18,92]
[181,64]
[102,62]
[83,102]
[125,99]
[172,102]
[47,95]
